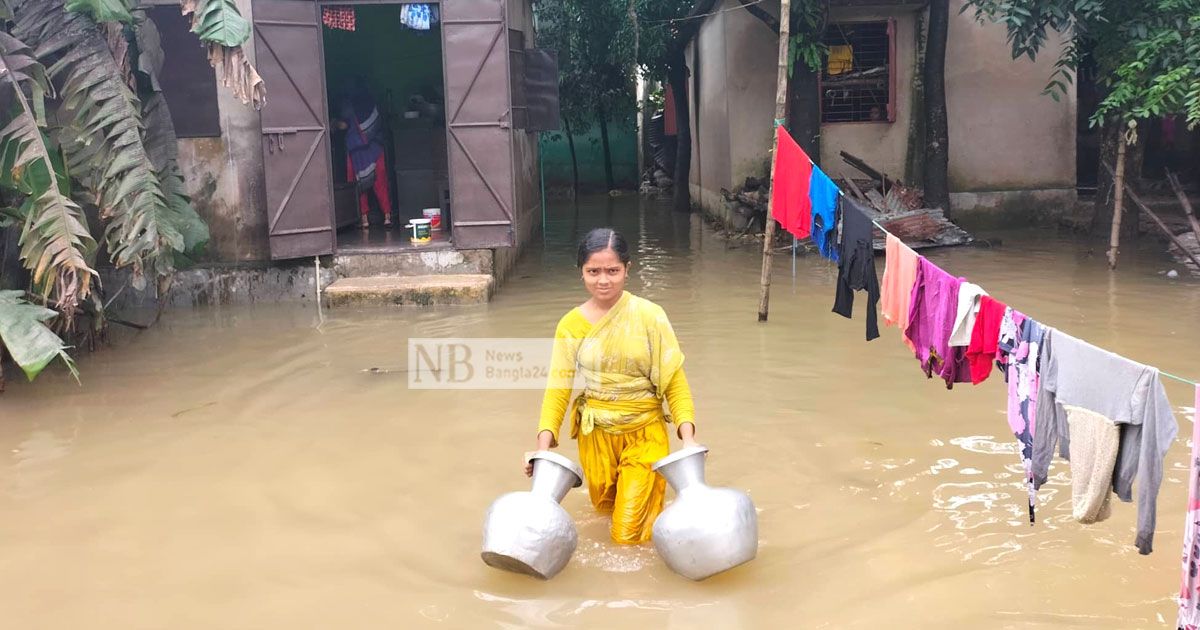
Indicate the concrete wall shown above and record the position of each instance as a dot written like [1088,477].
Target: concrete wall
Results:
[1010,146]
[224,177]
[735,79]
[883,144]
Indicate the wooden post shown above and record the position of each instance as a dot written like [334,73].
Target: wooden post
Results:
[1157,221]
[781,94]
[1114,237]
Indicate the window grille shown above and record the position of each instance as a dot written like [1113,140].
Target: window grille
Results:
[856,82]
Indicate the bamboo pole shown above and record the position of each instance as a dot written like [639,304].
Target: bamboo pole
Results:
[781,91]
[1114,237]
[1188,211]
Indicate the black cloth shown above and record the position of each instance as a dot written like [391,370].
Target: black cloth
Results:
[856,265]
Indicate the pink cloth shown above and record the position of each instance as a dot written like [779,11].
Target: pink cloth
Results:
[895,294]
[1189,589]
[933,307]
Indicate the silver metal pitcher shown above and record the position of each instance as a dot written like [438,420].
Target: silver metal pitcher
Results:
[529,532]
[705,530]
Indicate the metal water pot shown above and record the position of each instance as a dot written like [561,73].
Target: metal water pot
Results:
[705,530]
[529,532]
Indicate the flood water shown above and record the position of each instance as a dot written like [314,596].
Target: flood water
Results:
[243,467]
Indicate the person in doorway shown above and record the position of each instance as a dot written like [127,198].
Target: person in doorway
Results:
[366,161]
[626,351]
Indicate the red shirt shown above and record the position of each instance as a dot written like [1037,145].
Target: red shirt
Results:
[790,204]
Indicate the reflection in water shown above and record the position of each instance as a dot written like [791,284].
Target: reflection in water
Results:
[238,463]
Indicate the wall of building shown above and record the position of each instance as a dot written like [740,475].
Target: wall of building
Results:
[882,144]
[1011,147]
[224,177]
[622,139]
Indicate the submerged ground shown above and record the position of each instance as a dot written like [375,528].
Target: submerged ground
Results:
[245,468]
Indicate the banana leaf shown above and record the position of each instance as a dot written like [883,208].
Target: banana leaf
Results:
[223,29]
[55,243]
[25,336]
[100,133]
[102,10]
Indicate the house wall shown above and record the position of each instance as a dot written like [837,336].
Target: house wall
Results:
[735,77]
[1012,149]
[224,176]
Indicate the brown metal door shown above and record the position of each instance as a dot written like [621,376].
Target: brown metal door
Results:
[299,182]
[475,40]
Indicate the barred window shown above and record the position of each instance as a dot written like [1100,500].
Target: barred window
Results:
[856,82]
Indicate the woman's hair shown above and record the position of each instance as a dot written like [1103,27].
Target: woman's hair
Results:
[599,240]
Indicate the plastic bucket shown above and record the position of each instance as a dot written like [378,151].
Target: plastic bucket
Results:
[435,217]
[421,231]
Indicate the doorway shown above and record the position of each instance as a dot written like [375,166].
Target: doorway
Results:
[384,80]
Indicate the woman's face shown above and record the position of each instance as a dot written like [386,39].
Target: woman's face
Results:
[604,275]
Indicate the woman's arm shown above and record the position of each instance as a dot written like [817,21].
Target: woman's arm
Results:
[683,409]
[558,391]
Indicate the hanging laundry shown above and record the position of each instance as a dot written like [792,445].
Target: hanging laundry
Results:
[968,308]
[931,312]
[790,204]
[1019,343]
[985,337]
[1077,374]
[823,199]
[1095,440]
[419,17]
[341,18]
[856,267]
[1189,587]
[899,273]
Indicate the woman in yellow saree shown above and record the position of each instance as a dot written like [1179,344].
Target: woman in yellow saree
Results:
[624,348]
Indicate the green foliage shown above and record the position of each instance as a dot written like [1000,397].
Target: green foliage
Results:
[1147,51]
[807,33]
[23,332]
[102,10]
[55,243]
[219,22]
[100,134]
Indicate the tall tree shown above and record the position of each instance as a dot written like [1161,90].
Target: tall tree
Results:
[937,131]
[1147,53]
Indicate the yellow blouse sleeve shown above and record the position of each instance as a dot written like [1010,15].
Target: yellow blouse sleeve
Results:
[562,375]
[679,398]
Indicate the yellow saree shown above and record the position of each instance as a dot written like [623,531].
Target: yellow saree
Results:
[629,362]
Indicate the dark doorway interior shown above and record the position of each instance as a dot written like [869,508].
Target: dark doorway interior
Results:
[399,63]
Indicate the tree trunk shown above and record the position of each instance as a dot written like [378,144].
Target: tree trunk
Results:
[937,132]
[914,156]
[804,109]
[608,168]
[574,159]
[677,77]
[1114,238]
[781,101]
[1112,135]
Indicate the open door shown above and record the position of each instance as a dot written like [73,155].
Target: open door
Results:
[298,181]
[479,122]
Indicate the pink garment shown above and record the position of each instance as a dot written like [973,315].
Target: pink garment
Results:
[1189,589]
[899,274]
[934,305]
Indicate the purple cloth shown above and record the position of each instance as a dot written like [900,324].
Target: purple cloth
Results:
[931,322]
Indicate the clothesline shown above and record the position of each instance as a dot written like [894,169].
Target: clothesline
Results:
[841,193]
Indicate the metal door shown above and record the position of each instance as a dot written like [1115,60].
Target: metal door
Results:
[475,44]
[298,179]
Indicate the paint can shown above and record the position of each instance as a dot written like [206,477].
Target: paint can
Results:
[435,217]
[420,230]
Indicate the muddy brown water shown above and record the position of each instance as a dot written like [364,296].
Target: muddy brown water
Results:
[238,468]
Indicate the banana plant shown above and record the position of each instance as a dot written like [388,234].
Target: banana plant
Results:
[24,332]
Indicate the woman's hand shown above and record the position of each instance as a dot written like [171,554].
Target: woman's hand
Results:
[544,441]
[687,433]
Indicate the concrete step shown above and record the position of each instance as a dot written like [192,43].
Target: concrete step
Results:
[428,290]
[442,260]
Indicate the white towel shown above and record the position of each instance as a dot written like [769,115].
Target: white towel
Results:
[1094,444]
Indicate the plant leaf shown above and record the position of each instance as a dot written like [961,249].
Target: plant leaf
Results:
[24,333]
[102,10]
